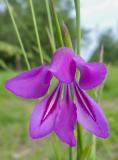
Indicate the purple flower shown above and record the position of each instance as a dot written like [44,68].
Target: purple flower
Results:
[58,112]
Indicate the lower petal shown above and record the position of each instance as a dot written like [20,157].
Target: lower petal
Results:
[65,121]
[90,114]
[43,116]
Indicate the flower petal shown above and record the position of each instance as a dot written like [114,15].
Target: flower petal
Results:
[90,115]
[30,84]
[66,119]
[63,65]
[44,114]
[91,74]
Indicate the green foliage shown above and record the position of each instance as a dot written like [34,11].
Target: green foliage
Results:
[23,17]
[110,43]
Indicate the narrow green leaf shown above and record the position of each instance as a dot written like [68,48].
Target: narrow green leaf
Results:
[57,24]
[50,23]
[50,39]
[36,31]
[78,30]
[18,34]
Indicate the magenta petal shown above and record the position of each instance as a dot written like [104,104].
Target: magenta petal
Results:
[44,114]
[91,74]
[63,65]
[30,84]
[90,115]
[65,121]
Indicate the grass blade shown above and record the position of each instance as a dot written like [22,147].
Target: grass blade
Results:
[50,24]
[57,25]
[78,30]
[50,39]
[18,34]
[36,31]
[77,7]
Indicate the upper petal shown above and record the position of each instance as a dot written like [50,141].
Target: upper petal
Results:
[30,84]
[90,115]
[63,65]
[91,74]
[44,114]
[66,119]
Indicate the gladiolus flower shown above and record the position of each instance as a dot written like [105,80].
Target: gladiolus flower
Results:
[58,112]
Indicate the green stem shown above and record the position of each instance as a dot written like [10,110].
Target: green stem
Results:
[79,142]
[18,35]
[70,153]
[94,147]
[36,31]
[50,23]
[77,6]
[78,30]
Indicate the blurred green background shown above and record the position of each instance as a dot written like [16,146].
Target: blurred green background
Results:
[15,143]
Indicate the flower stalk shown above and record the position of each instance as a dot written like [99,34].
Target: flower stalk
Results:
[78,30]
[79,142]
[70,154]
